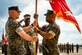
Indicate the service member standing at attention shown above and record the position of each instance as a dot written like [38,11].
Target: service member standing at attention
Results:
[17,34]
[50,35]
[28,45]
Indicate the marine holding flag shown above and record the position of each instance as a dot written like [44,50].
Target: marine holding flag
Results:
[50,35]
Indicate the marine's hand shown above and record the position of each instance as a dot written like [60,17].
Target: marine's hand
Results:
[35,23]
[35,16]
[34,39]
[35,30]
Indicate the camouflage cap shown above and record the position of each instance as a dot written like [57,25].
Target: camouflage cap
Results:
[14,8]
[27,16]
[49,12]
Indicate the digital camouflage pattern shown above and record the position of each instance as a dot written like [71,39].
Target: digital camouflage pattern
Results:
[16,43]
[50,46]
[29,45]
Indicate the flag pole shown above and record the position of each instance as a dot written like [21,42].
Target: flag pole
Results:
[36,7]
[35,34]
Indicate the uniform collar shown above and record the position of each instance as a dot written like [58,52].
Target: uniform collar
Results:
[52,24]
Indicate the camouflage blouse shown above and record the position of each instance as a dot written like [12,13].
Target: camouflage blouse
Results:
[29,45]
[16,43]
[50,45]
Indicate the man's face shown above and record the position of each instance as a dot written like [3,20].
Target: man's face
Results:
[17,14]
[14,14]
[50,18]
[27,21]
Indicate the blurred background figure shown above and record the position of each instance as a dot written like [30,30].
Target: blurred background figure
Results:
[77,48]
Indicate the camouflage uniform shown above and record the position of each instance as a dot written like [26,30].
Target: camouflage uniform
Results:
[29,45]
[16,43]
[50,45]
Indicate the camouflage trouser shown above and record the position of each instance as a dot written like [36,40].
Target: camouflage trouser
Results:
[26,44]
[28,52]
[52,51]
[16,50]
[29,47]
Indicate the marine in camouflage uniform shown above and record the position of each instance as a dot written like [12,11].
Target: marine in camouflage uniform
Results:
[50,34]
[28,45]
[15,33]
[16,43]
[50,46]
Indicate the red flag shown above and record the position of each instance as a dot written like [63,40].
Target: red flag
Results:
[3,39]
[6,39]
[62,10]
